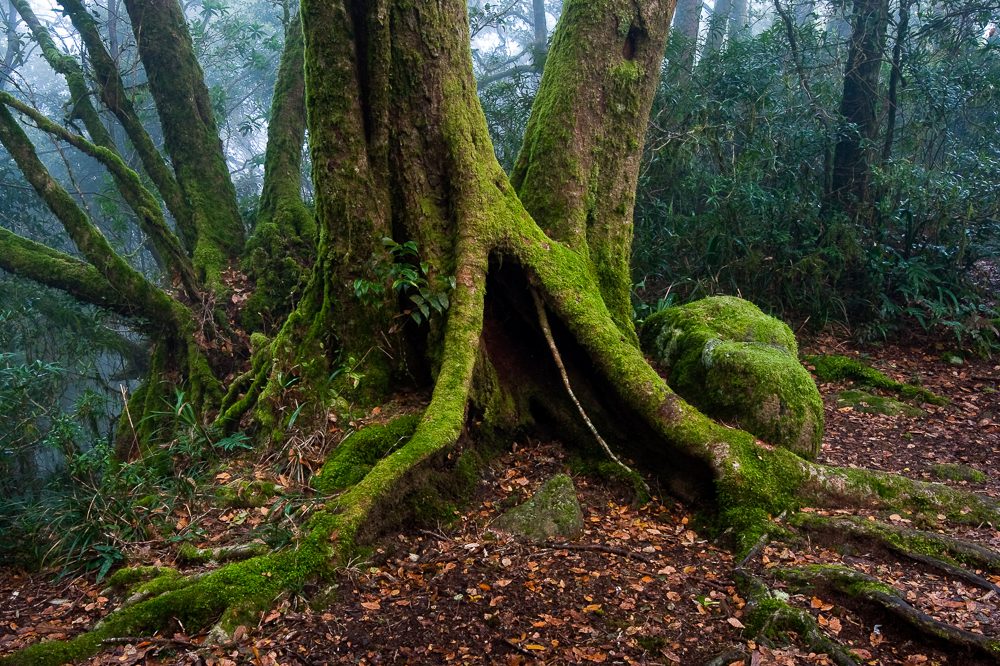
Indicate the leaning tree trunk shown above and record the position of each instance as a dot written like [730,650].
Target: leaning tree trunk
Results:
[190,134]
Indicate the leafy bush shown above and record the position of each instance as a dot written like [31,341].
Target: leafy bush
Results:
[732,192]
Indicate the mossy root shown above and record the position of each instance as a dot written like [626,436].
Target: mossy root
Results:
[769,617]
[883,598]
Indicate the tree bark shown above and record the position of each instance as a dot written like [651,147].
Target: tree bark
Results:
[401,148]
[687,24]
[718,21]
[738,19]
[895,79]
[190,132]
[540,28]
[851,180]
[165,245]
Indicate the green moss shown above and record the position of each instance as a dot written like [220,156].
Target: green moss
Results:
[842,579]
[758,484]
[355,457]
[127,577]
[553,511]
[900,493]
[833,367]
[727,317]
[283,244]
[876,404]
[164,581]
[737,364]
[957,472]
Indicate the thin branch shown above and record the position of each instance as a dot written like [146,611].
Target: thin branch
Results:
[543,320]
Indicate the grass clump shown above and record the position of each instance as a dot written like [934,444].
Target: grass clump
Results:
[834,367]
[958,472]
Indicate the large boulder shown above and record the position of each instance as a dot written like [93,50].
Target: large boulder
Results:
[737,364]
[553,511]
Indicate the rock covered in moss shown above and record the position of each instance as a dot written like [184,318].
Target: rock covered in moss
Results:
[553,511]
[732,361]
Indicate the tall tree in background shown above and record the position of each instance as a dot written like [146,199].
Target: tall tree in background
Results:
[718,24]
[685,32]
[850,184]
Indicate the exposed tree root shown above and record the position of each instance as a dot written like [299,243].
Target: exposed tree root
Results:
[235,593]
[939,550]
[872,592]
[768,616]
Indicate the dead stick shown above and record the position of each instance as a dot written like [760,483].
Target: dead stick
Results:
[601,548]
[152,640]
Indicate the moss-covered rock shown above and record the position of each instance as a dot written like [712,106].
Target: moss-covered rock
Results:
[732,361]
[553,511]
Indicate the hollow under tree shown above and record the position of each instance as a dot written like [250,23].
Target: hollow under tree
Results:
[530,274]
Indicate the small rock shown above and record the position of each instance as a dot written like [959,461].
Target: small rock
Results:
[553,511]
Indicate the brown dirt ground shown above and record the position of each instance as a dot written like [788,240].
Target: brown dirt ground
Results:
[642,585]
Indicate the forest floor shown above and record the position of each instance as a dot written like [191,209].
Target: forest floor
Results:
[642,585]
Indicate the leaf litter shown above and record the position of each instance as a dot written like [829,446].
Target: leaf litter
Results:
[642,585]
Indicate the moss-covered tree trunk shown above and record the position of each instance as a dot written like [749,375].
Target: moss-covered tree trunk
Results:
[283,243]
[190,134]
[535,275]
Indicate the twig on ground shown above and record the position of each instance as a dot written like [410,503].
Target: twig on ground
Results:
[601,548]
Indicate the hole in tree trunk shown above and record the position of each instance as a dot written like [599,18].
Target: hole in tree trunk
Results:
[631,43]
[517,349]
